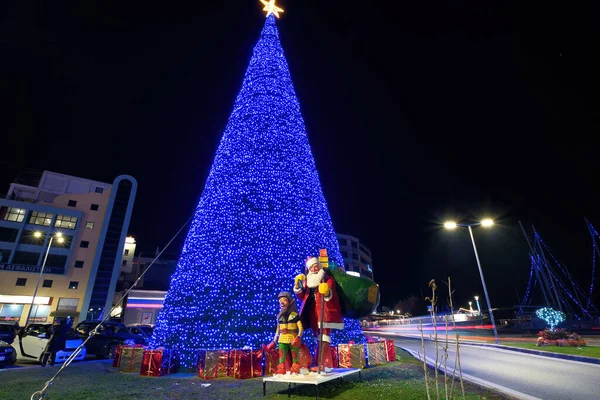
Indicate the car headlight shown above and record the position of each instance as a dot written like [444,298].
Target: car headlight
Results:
[130,342]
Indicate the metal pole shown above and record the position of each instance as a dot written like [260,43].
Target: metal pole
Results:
[39,279]
[487,298]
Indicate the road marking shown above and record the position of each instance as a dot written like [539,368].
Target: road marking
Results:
[475,380]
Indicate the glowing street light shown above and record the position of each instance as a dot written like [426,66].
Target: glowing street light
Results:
[450,225]
[60,239]
[477,301]
[485,223]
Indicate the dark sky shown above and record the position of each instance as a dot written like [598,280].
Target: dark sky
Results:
[416,112]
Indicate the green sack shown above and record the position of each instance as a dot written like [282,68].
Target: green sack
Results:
[359,296]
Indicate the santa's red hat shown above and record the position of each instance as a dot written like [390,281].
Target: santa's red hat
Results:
[310,261]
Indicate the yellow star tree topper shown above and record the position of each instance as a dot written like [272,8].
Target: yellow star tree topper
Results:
[271,8]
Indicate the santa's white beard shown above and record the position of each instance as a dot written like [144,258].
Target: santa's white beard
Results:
[314,278]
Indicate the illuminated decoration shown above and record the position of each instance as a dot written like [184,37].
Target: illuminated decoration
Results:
[556,285]
[271,8]
[262,212]
[550,316]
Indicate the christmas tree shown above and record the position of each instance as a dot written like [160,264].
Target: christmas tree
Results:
[262,212]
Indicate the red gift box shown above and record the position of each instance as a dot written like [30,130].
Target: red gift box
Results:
[117,357]
[246,363]
[390,350]
[271,359]
[213,364]
[335,357]
[159,362]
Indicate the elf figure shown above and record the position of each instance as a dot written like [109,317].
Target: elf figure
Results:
[289,331]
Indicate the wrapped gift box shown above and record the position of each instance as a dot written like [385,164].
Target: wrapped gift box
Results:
[246,363]
[213,364]
[351,355]
[335,357]
[131,359]
[117,357]
[271,359]
[376,352]
[390,350]
[159,362]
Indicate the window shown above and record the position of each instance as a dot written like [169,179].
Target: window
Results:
[124,262]
[73,284]
[32,237]
[8,234]
[72,203]
[85,244]
[40,218]
[47,283]
[21,282]
[99,190]
[78,264]
[65,303]
[354,256]
[354,244]
[94,207]
[66,242]
[26,258]
[89,225]
[13,214]
[56,261]
[126,252]
[65,221]
[344,254]
[4,254]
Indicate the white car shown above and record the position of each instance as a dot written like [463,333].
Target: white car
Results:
[32,343]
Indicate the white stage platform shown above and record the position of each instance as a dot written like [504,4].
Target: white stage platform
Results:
[311,379]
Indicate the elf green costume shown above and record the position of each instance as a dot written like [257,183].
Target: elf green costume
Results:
[289,331]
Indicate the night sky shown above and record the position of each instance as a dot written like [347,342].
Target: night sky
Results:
[416,112]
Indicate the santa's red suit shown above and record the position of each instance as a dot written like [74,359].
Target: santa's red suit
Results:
[312,289]
[311,306]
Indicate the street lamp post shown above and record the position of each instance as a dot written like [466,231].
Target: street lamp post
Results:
[59,239]
[484,223]
[477,301]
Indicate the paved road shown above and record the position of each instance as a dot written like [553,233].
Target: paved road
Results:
[535,376]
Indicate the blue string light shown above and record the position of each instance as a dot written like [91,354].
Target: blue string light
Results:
[262,212]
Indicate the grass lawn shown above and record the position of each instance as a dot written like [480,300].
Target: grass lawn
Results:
[98,380]
[587,351]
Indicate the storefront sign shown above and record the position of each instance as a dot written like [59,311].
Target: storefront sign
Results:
[30,268]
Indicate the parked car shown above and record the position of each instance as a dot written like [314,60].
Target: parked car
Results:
[32,340]
[144,331]
[8,331]
[8,356]
[108,336]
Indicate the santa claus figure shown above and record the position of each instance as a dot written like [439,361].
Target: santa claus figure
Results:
[320,307]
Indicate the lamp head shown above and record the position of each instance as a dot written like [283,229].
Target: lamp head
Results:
[450,225]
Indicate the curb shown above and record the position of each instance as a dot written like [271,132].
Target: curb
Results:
[589,360]
[474,380]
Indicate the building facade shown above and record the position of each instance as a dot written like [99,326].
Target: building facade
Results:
[357,258]
[81,266]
